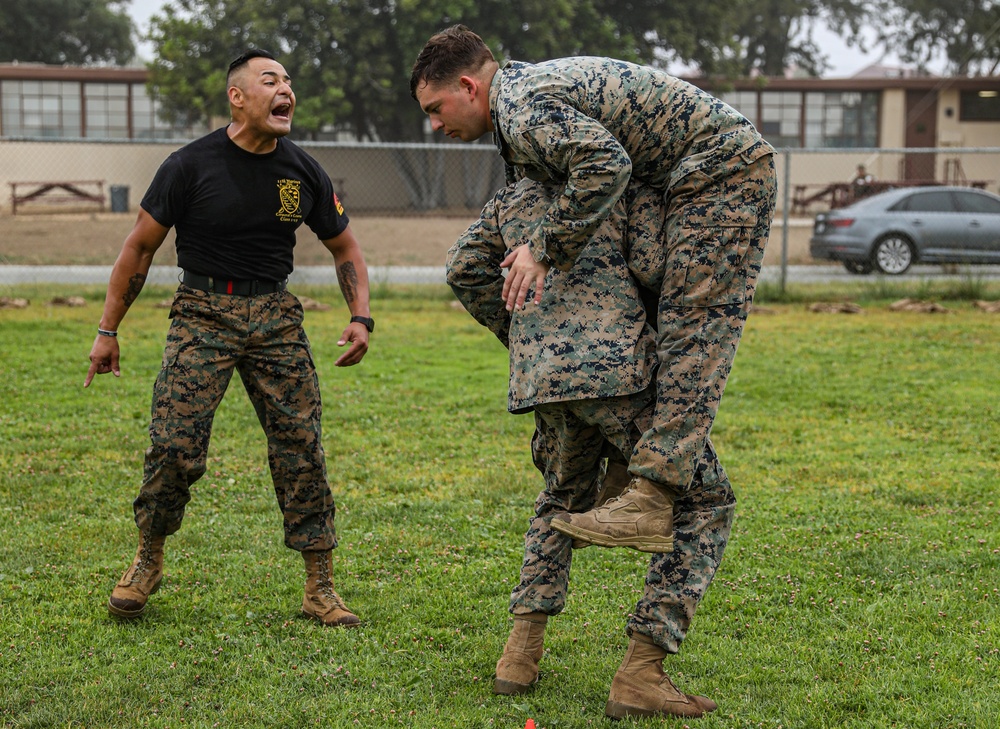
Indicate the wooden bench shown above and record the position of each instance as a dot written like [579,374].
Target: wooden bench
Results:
[835,195]
[87,192]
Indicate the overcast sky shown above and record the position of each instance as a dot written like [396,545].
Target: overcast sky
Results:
[844,61]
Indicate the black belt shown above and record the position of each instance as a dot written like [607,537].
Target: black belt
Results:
[235,287]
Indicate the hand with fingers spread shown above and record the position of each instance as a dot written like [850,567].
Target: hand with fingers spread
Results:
[524,271]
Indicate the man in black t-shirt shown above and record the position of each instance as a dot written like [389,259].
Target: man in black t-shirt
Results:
[235,198]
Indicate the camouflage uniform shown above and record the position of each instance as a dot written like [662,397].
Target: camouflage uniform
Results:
[262,338]
[583,361]
[589,338]
[591,125]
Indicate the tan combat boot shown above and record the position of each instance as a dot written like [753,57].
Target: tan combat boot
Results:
[320,602]
[641,688]
[641,518]
[517,669]
[141,579]
[615,482]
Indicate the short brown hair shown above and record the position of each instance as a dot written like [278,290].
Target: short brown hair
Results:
[447,55]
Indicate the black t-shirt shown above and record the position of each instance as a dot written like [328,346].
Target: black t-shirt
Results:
[236,212]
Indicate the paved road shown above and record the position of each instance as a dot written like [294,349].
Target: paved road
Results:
[312,275]
[836,273]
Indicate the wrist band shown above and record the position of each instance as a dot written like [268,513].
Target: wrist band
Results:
[106,332]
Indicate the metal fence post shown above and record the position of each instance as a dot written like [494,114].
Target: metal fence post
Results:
[785,214]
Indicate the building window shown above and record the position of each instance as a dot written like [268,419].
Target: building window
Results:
[106,114]
[745,102]
[145,118]
[781,118]
[979,106]
[147,122]
[838,119]
[817,119]
[94,110]
[46,109]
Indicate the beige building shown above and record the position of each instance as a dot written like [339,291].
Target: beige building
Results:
[877,112]
[65,102]
[109,130]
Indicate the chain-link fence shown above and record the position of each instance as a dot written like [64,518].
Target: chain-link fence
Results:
[72,202]
[382,179]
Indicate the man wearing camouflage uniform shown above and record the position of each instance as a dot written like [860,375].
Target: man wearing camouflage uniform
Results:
[583,361]
[236,197]
[591,125]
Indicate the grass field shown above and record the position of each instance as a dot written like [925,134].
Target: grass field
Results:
[860,587]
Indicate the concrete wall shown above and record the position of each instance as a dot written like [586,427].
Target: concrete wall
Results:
[799,230]
[128,164]
[417,179]
[400,179]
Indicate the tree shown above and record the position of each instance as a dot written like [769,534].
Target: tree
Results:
[535,30]
[768,37]
[966,32]
[77,32]
[661,32]
[350,59]
[194,42]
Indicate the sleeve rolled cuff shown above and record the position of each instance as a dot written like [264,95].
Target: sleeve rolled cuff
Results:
[539,249]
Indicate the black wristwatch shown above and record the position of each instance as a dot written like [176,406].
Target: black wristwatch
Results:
[366,320]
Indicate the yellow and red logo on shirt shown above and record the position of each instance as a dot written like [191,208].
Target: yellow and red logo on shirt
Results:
[288,194]
[340,207]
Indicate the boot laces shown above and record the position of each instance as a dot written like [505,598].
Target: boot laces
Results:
[325,585]
[143,561]
[618,499]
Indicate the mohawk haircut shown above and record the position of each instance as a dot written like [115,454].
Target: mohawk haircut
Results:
[243,59]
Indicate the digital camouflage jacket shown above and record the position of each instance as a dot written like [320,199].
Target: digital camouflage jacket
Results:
[589,337]
[592,124]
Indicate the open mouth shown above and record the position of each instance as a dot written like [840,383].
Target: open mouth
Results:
[282,111]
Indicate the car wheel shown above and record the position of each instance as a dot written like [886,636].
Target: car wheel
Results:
[893,254]
[858,267]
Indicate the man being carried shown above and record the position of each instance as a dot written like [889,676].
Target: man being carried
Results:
[583,362]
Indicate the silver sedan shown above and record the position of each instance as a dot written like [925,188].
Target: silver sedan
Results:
[892,230]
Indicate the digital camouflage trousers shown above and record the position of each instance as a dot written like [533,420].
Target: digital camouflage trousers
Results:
[569,442]
[261,338]
[715,232]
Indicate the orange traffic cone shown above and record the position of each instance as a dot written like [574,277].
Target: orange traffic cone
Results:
[529,724]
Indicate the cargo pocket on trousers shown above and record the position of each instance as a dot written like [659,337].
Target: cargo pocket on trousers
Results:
[715,272]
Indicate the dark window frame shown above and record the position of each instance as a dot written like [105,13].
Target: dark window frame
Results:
[979,106]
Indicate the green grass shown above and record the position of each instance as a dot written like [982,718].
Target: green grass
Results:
[876,289]
[859,589]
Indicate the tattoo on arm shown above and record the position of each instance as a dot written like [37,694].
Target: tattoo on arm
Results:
[134,287]
[348,278]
